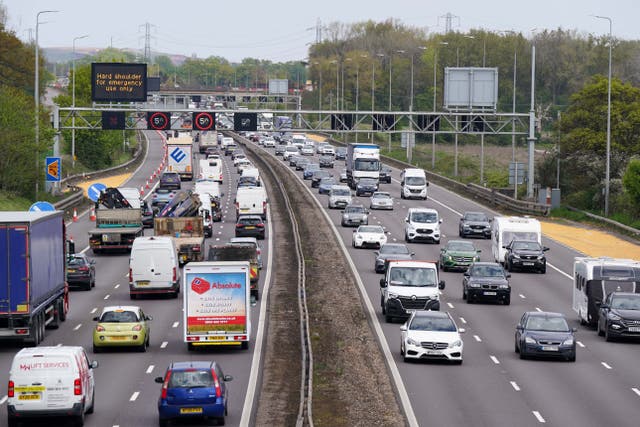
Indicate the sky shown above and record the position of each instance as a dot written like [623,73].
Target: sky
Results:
[281,30]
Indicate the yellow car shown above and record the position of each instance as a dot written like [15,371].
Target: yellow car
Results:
[121,326]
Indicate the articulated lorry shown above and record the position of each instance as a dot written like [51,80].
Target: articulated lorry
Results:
[118,220]
[33,292]
[217,304]
[363,161]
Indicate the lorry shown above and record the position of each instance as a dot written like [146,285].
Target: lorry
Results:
[207,139]
[217,304]
[239,252]
[118,221]
[408,286]
[187,234]
[180,156]
[33,293]
[363,161]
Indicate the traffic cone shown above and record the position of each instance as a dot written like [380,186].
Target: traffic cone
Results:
[147,184]
[75,215]
[142,190]
[92,216]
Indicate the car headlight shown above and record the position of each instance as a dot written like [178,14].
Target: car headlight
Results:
[456,343]
[529,340]
[476,258]
[516,256]
[474,285]
[413,342]
[613,316]
[540,257]
[503,286]
[447,257]
[392,296]
[411,228]
[568,341]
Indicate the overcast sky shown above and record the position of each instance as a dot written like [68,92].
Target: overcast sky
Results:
[280,30]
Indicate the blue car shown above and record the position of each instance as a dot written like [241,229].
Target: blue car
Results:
[193,390]
[326,184]
[545,334]
[309,169]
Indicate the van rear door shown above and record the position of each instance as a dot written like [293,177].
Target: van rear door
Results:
[152,267]
[44,382]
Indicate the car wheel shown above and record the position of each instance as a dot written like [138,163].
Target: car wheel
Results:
[460,234]
[163,423]
[572,357]
[507,300]
[384,309]
[509,266]
[401,350]
[93,282]
[515,345]
[607,335]
[133,296]
[93,403]
[464,293]
[402,195]
[388,318]
[543,270]
[96,349]
[62,315]
[12,422]
[87,286]
[600,331]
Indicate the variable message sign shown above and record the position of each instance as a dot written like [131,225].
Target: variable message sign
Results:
[118,82]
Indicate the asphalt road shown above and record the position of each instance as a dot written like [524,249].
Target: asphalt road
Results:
[494,387]
[126,394]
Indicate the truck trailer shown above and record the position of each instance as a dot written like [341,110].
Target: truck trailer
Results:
[33,293]
[363,161]
[180,156]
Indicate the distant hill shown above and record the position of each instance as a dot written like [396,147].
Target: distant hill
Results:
[65,54]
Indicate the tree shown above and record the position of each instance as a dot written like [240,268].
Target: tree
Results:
[631,180]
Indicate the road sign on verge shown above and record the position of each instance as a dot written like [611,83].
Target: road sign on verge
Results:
[53,169]
[93,192]
[42,207]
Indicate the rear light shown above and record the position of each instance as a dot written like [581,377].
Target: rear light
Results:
[238,225]
[10,392]
[260,225]
[196,248]
[170,195]
[100,328]
[83,269]
[216,383]
[137,328]
[130,275]
[165,385]
[77,387]
[175,275]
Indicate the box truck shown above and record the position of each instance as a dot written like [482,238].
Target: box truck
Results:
[180,157]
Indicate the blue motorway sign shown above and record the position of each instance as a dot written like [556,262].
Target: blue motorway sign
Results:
[41,207]
[53,169]
[93,192]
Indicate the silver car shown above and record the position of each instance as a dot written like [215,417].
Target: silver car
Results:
[354,215]
[339,197]
[381,200]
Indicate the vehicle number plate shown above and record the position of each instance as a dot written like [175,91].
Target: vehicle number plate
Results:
[634,328]
[215,338]
[549,348]
[528,264]
[490,293]
[71,270]
[142,283]
[433,352]
[250,227]
[35,396]
[118,338]
[190,410]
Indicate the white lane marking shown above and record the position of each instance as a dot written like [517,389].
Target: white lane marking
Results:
[494,359]
[107,296]
[477,338]
[463,320]
[606,365]
[568,276]
[522,296]
[580,344]
[633,389]
[450,305]
[84,250]
[150,369]
[93,310]
[126,275]
[515,385]
[59,345]
[164,344]
[78,326]
[134,396]
[217,239]
[175,324]
[538,417]
[117,286]
[4,399]
[445,206]
[538,309]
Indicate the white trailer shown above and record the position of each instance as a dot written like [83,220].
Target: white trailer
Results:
[504,229]
[363,161]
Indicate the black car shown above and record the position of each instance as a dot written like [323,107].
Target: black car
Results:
[366,187]
[301,162]
[326,162]
[475,224]
[81,271]
[619,316]
[147,215]
[385,174]
[525,255]
[486,281]
[317,176]
[391,252]
[545,334]
[280,149]
[341,153]
[211,150]
[170,180]
[250,226]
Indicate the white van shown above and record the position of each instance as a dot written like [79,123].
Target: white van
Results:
[153,267]
[212,188]
[413,184]
[504,229]
[251,201]
[211,169]
[205,212]
[252,173]
[55,381]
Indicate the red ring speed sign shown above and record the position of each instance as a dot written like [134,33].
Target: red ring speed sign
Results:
[203,121]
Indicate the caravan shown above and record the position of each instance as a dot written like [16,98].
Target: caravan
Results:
[504,229]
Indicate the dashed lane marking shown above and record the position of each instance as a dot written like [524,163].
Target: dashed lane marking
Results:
[116,286]
[462,319]
[4,399]
[606,365]
[150,369]
[633,389]
[450,305]
[78,326]
[522,296]
[580,344]
[164,344]
[494,359]
[134,396]
[107,296]
[477,338]
[93,310]
[175,324]
[538,309]
[515,385]
[538,417]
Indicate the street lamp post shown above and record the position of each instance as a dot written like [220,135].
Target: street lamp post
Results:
[435,81]
[390,63]
[608,164]
[36,91]
[335,61]
[73,102]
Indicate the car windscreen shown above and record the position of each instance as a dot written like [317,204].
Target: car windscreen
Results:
[461,246]
[76,261]
[366,165]
[415,180]
[191,379]
[250,220]
[487,271]
[365,181]
[479,217]
[625,302]
[531,246]
[370,229]
[340,192]
[424,217]
[354,209]
[551,324]
[119,317]
[508,236]
[443,324]
[394,249]
[413,276]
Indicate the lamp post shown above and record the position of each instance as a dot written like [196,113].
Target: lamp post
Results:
[435,81]
[73,102]
[358,89]
[36,91]
[335,61]
[319,89]
[608,164]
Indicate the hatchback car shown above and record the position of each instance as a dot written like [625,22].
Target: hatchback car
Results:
[366,187]
[486,280]
[619,316]
[391,252]
[354,215]
[81,271]
[381,200]
[369,236]
[301,162]
[309,169]
[431,335]
[194,389]
[250,226]
[458,255]
[475,224]
[121,326]
[545,334]
[341,153]
[326,162]
[170,180]
[326,184]
[317,176]
[162,196]
[385,174]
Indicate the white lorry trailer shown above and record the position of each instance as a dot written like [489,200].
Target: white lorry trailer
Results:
[363,161]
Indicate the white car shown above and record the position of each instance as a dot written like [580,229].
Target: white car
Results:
[339,197]
[290,150]
[320,147]
[328,150]
[307,150]
[369,235]
[381,200]
[431,335]
[269,142]
[243,165]
[239,158]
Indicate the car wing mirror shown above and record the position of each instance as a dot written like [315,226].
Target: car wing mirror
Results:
[479,250]
[159,380]
[602,305]
[519,327]
[466,274]
[376,253]
[441,285]
[94,364]
[148,318]
[383,283]
[96,318]
[544,248]
[403,327]
[440,220]
[507,275]
[462,330]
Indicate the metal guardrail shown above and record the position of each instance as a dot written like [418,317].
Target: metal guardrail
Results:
[615,224]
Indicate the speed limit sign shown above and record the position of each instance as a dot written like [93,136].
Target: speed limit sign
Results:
[204,121]
[158,120]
